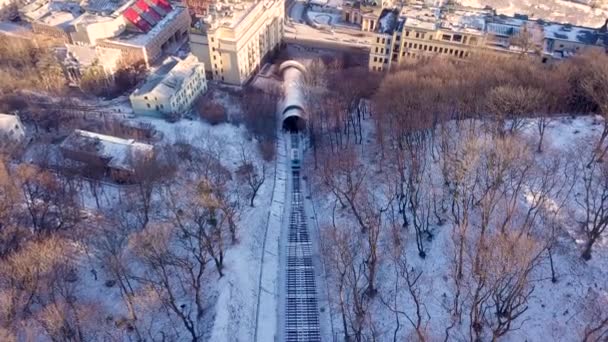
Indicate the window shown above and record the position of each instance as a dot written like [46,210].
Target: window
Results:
[417,35]
[383,40]
[376,49]
[451,51]
[461,54]
[375,59]
[212,40]
[145,97]
[473,40]
[457,38]
[407,33]
[425,48]
[409,45]
[378,40]
[446,37]
[435,49]
[415,46]
[440,50]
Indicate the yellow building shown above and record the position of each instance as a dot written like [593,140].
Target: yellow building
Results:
[233,41]
[411,34]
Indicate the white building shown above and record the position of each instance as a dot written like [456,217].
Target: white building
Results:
[234,40]
[171,89]
[12,131]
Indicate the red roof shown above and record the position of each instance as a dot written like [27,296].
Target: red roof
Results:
[134,17]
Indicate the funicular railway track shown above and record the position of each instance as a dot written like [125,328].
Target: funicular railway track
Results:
[301,303]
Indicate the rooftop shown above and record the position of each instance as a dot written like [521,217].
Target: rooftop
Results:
[8,121]
[142,39]
[169,77]
[61,18]
[119,152]
[230,15]
[103,6]
[570,33]
[86,55]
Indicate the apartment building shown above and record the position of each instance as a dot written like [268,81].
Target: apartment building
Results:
[416,32]
[171,89]
[233,41]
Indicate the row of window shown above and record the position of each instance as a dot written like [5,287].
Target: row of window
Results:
[437,49]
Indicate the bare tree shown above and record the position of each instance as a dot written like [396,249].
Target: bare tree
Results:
[594,202]
[251,173]
[512,105]
[153,248]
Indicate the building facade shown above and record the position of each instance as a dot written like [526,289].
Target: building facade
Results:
[172,89]
[234,41]
[412,33]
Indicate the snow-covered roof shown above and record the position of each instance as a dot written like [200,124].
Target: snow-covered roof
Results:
[118,152]
[9,122]
[87,55]
[142,39]
[60,18]
[570,33]
[169,77]
[387,22]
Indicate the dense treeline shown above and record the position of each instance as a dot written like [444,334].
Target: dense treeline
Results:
[439,152]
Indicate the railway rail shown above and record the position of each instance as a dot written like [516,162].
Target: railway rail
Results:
[301,302]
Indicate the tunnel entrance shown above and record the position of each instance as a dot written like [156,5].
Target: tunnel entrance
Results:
[294,124]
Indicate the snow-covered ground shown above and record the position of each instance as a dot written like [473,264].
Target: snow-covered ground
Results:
[232,300]
[557,311]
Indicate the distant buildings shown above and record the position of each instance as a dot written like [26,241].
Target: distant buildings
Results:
[412,32]
[142,30]
[233,40]
[104,155]
[12,131]
[152,33]
[171,89]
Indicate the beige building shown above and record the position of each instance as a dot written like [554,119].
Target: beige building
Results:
[418,32]
[233,41]
[411,34]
